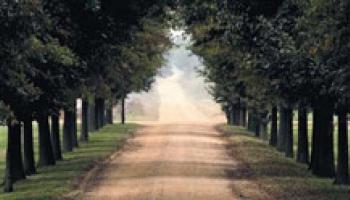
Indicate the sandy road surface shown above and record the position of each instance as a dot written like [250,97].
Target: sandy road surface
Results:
[174,162]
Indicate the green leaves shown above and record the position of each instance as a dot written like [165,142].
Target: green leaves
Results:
[288,51]
[140,59]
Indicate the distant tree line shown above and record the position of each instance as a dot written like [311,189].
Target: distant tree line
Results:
[269,58]
[53,52]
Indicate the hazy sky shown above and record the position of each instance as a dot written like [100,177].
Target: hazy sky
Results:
[179,94]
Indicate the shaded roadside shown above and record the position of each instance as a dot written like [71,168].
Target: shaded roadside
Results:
[64,179]
[282,178]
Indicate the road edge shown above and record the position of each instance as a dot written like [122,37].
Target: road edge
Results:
[84,182]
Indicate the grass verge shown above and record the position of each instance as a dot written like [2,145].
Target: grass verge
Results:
[55,181]
[281,177]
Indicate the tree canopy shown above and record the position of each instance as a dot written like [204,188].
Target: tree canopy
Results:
[287,54]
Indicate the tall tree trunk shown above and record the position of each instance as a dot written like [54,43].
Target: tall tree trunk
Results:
[109,115]
[19,169]
[232,114]
[289,148]
[237,114]
[75,126]
[14,168]
[92,123]
[10,163]
[253,123]
[55,136]
[28,147]
[281,138]
[322,158]
[263,131]
[15,151]
[243,116]
[263,126]
[314,146]
[67,131]
[46,157]
[257,128]
[257,125]
[97,113]
[303,140]
[123,111]
[227,113]
[274,129]
[102,113]
[342,175]
[250,122]
[84,135]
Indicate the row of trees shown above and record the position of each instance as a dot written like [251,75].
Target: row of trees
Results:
[53,52]
[269,58]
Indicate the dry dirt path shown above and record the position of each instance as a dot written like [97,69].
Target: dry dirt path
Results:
[174,162]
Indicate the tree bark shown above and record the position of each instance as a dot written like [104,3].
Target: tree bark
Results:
[322,158]
[102,112]
[237,114]
[263,131]
[109,115]
[55,136]
[75,126]
[14,169]
[257,126]
[263,126]
[253,123]
[46,157]
[281,138]
[10,164]
[243,116]
[92,122]
[342,175]
[123,111]
[250,122]
[274,128]
[303,140]
[67,131]
[84,135]
[28,147]
[97,113]
[314,147]
[227,114]
[232,114]
[289,148]
[19,169]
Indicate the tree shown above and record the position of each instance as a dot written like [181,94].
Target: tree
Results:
[15,89]
[288,53]
[52,52]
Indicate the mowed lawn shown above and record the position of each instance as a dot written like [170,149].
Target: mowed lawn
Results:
[55,181]
[279,176]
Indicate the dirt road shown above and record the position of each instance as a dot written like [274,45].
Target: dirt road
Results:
[178,157]
[174,162]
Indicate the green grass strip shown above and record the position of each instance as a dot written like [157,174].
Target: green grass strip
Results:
[281,177]
[55,181]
